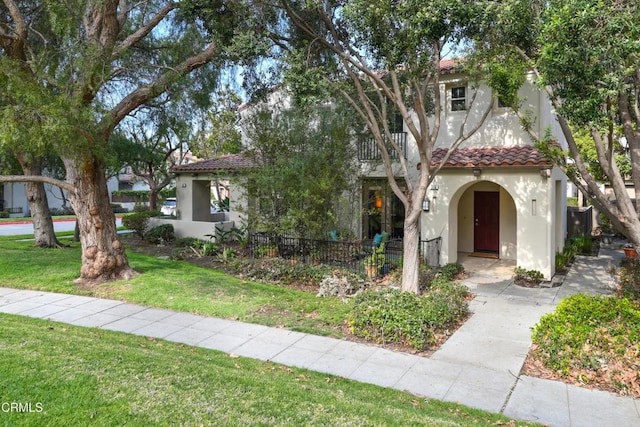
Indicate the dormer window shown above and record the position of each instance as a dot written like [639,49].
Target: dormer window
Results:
[458,98]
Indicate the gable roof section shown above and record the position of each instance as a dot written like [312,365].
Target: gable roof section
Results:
[491,157]
[229,163]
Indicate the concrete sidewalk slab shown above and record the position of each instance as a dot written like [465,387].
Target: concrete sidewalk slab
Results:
[478,366]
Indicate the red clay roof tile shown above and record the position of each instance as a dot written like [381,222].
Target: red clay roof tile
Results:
[491,157]
[230,162]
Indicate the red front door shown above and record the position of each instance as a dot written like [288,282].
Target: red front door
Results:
[486,217]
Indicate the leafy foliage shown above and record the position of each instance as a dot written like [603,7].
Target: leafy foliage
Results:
[584,55]
[306,159]
[589,336]
[392,316]
[527,277]
[630,278]
[433,275]
[138,222]
[160,234]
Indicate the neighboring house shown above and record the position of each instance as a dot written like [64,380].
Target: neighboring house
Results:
[495,196]
[13,199]
[210,196]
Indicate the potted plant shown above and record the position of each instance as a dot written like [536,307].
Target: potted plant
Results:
[374,261]
[269,250]
[630,251]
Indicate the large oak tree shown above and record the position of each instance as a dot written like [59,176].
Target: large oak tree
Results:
[72,70]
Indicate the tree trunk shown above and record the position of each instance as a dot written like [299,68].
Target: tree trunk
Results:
[43,231]
[153,198]
[411,257]
[103,255]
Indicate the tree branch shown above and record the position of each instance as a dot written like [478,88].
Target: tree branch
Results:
[146,93]
[37,178]
[143,31]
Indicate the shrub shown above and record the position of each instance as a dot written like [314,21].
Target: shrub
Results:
[524,277]
[585,245]
[393,316]
[591,336]
[138,222]
[429,275]
[116,208]
[451,271]
[161,233]
[279,270]
[630,278]
[62,211]
[4,214]
[205,248]
[185,242]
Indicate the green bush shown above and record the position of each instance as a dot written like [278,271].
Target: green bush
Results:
[161,233]
[393,316]
[4,214]
[185,242]
[630,278]
[205,248]
[590,336]
[429,275]
[279,270]
[524,276]
[116,208]
[138,222]
[584,245]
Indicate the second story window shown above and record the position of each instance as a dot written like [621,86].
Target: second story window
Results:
[458,98]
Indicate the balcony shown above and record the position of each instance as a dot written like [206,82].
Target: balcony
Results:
[368,150]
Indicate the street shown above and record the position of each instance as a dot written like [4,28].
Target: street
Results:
[21,226]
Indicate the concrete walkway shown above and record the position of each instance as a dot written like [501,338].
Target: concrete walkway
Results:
[478,366]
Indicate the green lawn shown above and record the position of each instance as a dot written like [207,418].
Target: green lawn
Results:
[72,376]
[28,219]
[175,285]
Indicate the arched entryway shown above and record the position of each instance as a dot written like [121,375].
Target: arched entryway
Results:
[486,219]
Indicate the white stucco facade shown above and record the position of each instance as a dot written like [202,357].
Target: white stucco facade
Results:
[531,224]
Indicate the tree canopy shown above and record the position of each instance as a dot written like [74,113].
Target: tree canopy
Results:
[586,55]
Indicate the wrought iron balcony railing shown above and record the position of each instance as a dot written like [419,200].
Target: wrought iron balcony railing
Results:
[368,149]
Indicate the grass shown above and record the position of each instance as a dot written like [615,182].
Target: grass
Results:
[85,376]
[175,285]
[28,219]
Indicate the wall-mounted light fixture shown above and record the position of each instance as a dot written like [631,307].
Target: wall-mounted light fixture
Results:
[426,204]
[477,172]
[184,185]
[545,173]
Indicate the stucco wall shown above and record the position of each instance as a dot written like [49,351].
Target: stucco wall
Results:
[528,211]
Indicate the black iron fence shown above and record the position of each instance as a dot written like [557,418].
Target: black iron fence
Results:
[362,256]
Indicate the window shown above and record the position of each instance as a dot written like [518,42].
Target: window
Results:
[458,98]
[396,124]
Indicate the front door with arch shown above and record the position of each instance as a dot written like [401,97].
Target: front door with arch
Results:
[486,221]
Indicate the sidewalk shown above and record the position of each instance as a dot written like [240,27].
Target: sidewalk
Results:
[478,366]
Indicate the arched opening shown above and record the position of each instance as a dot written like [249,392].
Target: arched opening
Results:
[486,221]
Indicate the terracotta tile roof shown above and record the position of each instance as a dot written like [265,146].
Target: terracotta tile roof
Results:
[449,66]
[231,162]
[491,157]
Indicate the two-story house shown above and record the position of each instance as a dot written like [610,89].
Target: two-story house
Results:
[495,196]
